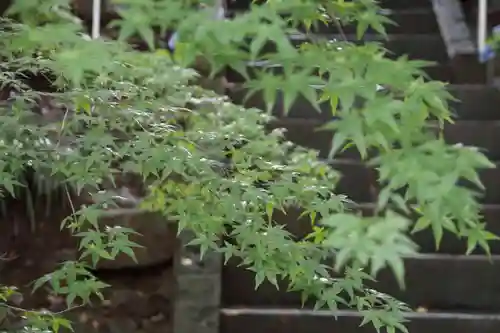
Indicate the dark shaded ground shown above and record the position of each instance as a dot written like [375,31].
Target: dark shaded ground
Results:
[140,297]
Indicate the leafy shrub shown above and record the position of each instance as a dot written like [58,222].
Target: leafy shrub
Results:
[115,114]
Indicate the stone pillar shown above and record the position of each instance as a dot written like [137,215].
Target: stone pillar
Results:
[198,286]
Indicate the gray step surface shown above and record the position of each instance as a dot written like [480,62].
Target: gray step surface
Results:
[459,41]
[482,134]
[438,72]
[278,320]
[416,47]
[434,281]
[360,183]
[300,226]
[474,102]
[413,21]
[405,4]
[419,21]
[389,4]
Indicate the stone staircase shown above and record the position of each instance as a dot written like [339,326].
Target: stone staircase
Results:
[455,293]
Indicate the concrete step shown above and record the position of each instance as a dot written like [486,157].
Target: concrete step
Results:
[413,21]
[389,4]
[438,72]
[472,133]
[417,47]
[474,102]
[300,226]
[484,135]
[433,281]
[405,4]
[282,320]
[459,41]
[360,183]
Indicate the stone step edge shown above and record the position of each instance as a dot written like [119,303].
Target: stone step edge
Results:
[369,205]
[238,311]
[369,37]
[284,120]
[458,40]
[466,86]
[238,87]
[350,161]
[383,11]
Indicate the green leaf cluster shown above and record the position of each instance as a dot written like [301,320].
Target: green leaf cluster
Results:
[115,113]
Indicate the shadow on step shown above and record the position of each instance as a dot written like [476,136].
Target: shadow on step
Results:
[277,320]
[433,281]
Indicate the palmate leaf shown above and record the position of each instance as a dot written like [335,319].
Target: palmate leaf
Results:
[212,166]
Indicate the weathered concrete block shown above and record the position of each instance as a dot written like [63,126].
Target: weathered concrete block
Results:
[157,236]
[193,318]
[248,320]
[433,281]
[198,282]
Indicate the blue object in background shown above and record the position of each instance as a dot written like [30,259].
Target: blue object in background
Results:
[489,53]
[172,41]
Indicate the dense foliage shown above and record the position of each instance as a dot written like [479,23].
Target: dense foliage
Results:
[115,111]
